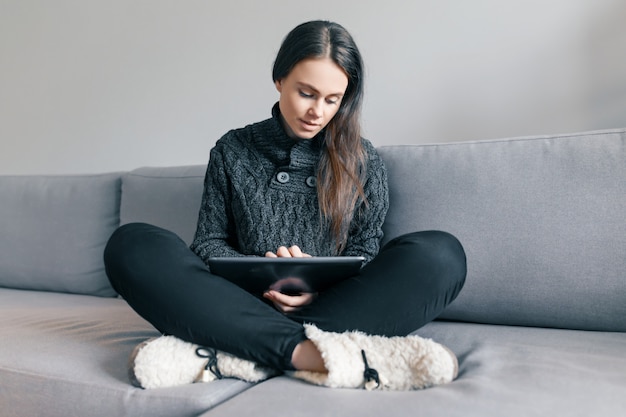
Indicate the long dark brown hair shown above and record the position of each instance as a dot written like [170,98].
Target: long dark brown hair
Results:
[341,168]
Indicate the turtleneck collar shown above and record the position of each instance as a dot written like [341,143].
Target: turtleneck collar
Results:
[272,140]
[277,116]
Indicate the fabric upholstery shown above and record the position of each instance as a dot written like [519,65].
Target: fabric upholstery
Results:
[66,355]
[542,219]
[503,371]
[54,229]
[166,197]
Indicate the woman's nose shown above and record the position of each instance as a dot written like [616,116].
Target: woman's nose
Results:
[316,109]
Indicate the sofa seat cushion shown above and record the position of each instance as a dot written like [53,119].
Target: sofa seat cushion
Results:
[503,371]
[66,355]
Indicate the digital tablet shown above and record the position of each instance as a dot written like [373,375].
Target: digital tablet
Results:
[287,275]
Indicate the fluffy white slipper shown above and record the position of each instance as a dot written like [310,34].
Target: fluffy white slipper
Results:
[357,360]
[167,361]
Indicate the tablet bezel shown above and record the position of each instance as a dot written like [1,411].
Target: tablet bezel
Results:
[257,274]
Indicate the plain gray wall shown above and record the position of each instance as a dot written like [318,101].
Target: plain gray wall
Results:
[94,86]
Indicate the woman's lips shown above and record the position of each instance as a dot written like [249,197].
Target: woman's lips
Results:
[309,125]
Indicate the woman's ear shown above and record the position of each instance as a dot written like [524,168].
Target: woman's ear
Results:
[279,85]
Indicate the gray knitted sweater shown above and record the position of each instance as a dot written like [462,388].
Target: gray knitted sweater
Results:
[259,194]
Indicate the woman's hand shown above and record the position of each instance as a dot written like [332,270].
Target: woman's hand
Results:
[287,303]
[290,252]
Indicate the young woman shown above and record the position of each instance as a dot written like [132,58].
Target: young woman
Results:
[302,183]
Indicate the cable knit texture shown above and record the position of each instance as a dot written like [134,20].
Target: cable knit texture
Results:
[259,194]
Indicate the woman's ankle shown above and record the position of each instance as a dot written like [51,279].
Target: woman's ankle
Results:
[306,357]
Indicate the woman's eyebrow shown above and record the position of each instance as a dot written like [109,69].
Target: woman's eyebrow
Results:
[315,90]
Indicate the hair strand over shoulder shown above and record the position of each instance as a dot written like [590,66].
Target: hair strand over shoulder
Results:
[341,168]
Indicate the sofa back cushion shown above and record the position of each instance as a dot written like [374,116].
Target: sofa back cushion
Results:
[542,220]
[166,197]
[54,229]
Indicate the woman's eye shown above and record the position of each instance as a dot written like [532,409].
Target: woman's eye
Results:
[305,95]
[333,101]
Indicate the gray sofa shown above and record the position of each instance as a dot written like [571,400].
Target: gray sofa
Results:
[539,329]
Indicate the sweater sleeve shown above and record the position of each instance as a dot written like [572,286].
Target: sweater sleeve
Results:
[366,229]
[215,235]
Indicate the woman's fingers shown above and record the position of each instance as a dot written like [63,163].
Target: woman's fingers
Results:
[290,252]
[295,251]
[283,252]
[287,303]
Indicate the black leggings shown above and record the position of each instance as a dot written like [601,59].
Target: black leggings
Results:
[409,283]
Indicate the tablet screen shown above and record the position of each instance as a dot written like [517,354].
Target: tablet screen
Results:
[288,275]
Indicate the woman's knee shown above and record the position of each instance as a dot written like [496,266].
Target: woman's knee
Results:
[132,237]
[120,242]
[134,247]
[452,253]
[446,245]
[438,248]
[430,238]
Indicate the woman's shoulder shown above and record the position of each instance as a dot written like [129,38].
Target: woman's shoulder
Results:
[376,171]
[246,134]
[370,150]
[368,146]
[242,138]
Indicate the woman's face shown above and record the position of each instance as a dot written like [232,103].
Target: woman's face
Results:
[310,95]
